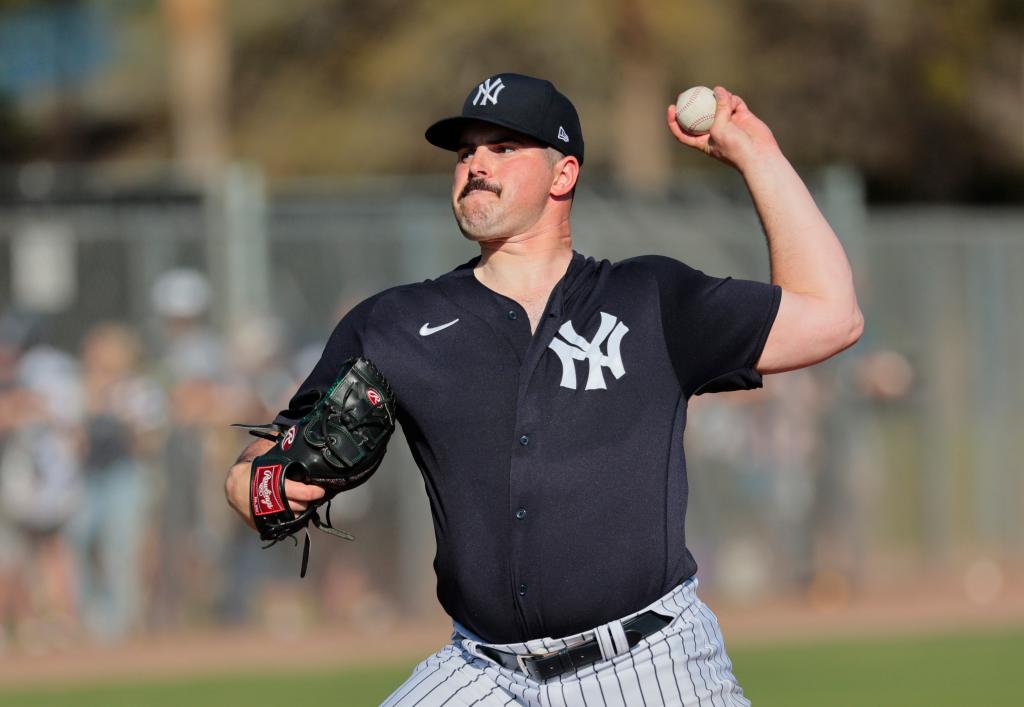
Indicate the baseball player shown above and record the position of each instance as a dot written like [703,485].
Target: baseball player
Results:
[544,396]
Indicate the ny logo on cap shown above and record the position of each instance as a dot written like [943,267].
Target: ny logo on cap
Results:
[488,91]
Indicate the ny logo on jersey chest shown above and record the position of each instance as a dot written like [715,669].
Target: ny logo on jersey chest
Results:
[576,348]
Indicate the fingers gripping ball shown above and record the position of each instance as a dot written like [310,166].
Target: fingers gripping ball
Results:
[695,110]
[337,446]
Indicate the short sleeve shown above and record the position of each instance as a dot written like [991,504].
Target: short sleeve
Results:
[345,342]
[715,328]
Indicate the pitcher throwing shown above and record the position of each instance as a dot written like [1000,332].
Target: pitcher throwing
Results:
[544,396]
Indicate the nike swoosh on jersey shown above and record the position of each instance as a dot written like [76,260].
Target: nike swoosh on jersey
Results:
[427,330]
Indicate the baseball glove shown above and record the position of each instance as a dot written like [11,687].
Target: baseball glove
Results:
[337,446]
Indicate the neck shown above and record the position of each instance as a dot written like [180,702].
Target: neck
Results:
[526,267]
[521,265]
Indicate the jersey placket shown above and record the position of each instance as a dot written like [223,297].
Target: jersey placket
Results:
[525,508]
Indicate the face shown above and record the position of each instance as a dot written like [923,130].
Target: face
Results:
[110,350]
[502,182]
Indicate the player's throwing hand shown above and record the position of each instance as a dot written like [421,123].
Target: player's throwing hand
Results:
[737,136]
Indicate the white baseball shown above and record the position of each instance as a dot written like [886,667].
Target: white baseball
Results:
[695,110]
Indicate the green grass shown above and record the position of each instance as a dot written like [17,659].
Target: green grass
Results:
[961,669]
[356,686]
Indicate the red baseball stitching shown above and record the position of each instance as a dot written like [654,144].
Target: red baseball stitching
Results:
[692,98]
[703,118]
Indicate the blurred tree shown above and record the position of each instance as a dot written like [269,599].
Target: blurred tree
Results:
[14,136]
[364,84]
[925,98]
[915,93]
[199,84]
[640,156]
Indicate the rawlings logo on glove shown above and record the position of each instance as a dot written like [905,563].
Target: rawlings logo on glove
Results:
[265,498]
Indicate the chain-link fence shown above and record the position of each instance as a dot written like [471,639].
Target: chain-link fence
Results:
[900,453]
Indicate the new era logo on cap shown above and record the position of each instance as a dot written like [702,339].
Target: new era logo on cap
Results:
[527,105]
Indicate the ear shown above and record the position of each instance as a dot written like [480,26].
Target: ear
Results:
[567,170]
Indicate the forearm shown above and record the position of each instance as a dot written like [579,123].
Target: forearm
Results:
[236,485]
[806,256]
[258,447]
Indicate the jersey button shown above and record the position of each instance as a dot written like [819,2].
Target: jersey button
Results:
[513,315]
[524,440]
[521,513]
[522,590]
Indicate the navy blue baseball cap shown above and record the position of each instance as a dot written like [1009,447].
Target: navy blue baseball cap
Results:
[531,106]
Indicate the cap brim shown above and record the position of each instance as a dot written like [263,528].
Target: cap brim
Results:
[447,133]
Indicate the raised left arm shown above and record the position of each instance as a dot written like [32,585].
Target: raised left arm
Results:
[818,315]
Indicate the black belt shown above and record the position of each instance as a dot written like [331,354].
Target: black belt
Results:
[547,665]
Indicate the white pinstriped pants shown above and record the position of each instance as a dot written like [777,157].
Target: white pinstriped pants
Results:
[683,664]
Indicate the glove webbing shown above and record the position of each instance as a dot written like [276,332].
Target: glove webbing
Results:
[302,521]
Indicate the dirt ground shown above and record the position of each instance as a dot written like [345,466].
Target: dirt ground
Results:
[918,608]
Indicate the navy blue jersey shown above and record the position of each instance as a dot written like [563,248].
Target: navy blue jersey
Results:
[554,461]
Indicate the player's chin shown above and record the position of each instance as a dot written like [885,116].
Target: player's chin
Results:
[482,232]
[478,225]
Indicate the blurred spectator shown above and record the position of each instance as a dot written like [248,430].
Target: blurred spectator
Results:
[40,487]
[258,353]
[803,484]
[204,399]
[190,348]
[124,412]
[11,588]
[757,460]
[884,375]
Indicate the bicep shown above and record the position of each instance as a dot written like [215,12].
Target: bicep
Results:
[808,330]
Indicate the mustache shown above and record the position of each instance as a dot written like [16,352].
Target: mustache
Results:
[479,183]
